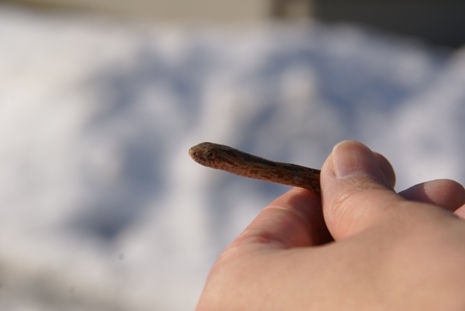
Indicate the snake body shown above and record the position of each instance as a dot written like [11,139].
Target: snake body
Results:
[240,163]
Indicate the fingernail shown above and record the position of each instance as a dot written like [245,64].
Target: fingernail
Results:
[351,158]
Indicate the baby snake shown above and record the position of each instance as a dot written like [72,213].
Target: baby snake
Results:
[240,163]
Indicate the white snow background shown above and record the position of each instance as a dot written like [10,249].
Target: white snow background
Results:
[101,208]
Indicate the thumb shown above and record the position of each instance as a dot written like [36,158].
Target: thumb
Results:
[356,189]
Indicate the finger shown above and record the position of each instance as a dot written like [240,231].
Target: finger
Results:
[295,219]
[460,212]
[356,189]
[386,169]
[445,193]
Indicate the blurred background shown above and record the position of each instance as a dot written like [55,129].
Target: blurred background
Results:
[102,208]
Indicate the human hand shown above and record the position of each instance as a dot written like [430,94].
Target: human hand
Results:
[360,247]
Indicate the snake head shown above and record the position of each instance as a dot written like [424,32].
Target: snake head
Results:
[203,153]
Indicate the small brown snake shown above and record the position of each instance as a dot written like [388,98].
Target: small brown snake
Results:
[240,163]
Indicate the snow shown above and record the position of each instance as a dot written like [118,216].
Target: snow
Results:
[101,207]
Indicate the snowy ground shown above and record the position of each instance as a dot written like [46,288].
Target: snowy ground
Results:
[101,207]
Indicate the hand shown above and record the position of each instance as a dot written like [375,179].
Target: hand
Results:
[360,247]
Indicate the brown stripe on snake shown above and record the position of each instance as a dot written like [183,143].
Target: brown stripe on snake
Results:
[240,163]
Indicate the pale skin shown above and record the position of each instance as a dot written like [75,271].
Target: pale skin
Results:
[360,246]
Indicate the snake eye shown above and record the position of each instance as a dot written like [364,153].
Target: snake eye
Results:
[208,155]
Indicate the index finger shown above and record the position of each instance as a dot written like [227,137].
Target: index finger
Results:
[295,219]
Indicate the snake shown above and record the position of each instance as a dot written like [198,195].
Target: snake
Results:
[237,162]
